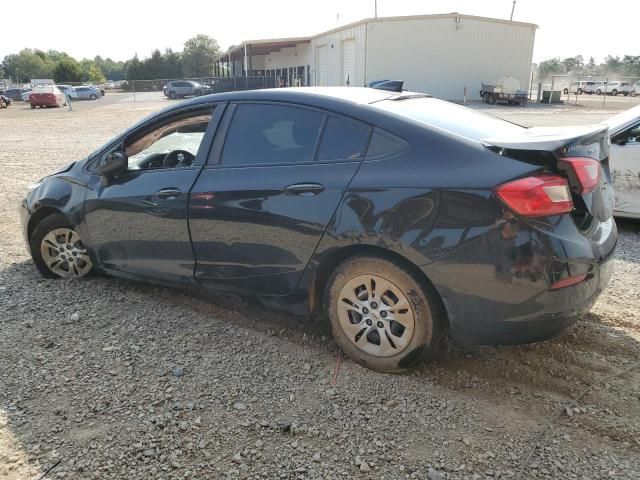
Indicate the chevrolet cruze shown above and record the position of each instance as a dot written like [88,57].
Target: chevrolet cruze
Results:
[396,217]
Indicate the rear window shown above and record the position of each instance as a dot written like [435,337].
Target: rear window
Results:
[450,117]
[42,90]
[343,139]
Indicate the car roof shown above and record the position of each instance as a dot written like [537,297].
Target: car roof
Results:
[309,95]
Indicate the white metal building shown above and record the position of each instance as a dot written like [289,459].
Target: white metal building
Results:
[436,54]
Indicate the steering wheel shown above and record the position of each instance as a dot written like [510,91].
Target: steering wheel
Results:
[178,158]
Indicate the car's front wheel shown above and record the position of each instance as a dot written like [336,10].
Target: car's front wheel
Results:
[58,251]
[614,92]
[381,315]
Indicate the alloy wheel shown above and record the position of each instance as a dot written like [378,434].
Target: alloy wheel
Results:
[376,315]
[64,254]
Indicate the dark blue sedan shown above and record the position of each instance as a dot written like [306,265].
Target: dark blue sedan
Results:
[399,217]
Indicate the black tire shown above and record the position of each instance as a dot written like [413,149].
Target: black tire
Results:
[566,91]
[45,226]
[598,92]
[614,92]
[93,96]
[580,92]
[428,315]
[173,95]
[633,94]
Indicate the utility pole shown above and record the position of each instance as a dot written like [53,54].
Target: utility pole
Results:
[375,8]
[513,7]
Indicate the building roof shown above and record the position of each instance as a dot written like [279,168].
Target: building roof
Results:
[262,46]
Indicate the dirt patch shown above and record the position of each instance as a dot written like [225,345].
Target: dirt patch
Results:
[147,382]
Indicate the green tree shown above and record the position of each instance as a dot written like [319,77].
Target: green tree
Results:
[94,75]
[133,68]
[550,67]
[198,56]
[173,64]
[68,70]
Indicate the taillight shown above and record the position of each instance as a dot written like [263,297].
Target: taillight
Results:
[587,171]
[538,196]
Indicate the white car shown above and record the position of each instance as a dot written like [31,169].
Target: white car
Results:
[624,161]
[614,88]
[635,89]
[68,90]
[593,87]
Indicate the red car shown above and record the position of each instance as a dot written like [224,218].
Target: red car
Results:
[49,96]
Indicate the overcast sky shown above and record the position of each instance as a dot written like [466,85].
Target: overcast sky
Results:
[120,28]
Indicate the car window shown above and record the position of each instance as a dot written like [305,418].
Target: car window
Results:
[172,143]
[385,144]
[450,117]
[263,134]
[631,136]
[343,139]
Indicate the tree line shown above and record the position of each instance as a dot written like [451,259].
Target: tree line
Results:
[196,60]
[625,66]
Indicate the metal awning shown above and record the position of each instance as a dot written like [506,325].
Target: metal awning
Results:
[263,47]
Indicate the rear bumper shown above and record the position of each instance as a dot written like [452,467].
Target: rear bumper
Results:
[496,287]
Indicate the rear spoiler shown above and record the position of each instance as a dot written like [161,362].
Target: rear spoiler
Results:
[551,139]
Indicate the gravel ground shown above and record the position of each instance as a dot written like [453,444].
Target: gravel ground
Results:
[105,378]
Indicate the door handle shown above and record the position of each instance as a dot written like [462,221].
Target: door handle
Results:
[305,189]
[168,193]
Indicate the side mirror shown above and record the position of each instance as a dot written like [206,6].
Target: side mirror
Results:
[115,162]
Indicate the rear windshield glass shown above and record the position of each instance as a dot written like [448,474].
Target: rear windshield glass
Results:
[451,117]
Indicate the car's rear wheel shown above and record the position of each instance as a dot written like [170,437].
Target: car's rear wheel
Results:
[58,251]
[381,315]
[580,91]
[173,95]
[614,92]
[598,92]
[633,94]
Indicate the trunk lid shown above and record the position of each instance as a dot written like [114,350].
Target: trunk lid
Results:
[549,146]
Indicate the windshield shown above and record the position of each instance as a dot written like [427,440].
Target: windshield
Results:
[450,117]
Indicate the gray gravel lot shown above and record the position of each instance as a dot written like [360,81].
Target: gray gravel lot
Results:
[106,378]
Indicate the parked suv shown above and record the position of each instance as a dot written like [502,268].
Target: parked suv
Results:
[593,87]
[87,93]
[614,88]
[184,88]
[577,87]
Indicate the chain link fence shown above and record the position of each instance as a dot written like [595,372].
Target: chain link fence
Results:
[592,91]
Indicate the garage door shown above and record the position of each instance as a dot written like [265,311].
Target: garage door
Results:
[349,62]
[323,66]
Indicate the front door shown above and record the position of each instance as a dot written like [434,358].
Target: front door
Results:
[261,205]
[137,221]
[625,170]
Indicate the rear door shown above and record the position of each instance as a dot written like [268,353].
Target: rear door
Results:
[273,182]
[625,170]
